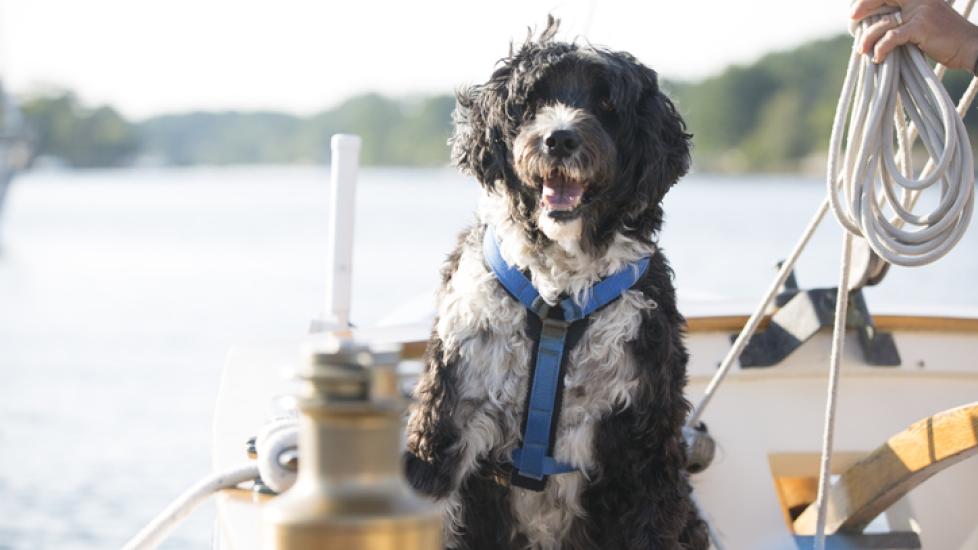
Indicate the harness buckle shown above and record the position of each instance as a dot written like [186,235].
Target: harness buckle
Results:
[553,329]
[540,307]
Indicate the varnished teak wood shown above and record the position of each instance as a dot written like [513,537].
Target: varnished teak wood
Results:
[891,471]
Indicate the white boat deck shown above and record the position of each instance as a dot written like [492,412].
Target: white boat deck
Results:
[767,423]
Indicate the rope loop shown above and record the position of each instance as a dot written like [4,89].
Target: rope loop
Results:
[871,184]
[874,16]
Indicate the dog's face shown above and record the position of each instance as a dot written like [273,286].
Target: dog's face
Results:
[566,148]
[581,141]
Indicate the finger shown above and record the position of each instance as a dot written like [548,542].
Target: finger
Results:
[893,38]
[874,32]
[862,8]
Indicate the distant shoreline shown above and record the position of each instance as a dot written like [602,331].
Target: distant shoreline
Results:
[773,116]
[257,168]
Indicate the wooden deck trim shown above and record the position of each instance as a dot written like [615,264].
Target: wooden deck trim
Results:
[734,323]
[924,323]
[721,323]
[905,461]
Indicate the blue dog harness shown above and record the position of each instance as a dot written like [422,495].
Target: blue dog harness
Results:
[555,330]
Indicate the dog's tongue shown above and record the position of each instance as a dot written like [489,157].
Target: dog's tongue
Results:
[560,193]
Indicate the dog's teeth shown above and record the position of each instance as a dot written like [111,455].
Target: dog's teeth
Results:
[561,194]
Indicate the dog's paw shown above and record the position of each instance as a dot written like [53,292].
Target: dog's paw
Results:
[425,477]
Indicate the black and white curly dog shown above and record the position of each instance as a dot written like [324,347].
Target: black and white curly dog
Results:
[575,147]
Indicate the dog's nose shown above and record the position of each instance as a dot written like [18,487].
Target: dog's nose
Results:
[561,143]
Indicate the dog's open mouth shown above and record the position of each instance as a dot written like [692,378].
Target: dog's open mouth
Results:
[561,194]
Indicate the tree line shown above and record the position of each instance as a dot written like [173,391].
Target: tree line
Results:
[776,114]
[772,115]
[404,131]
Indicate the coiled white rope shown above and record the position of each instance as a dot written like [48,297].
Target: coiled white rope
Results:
[871,195]
[871,173]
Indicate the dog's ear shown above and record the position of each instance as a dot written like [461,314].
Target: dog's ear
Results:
[662,135]
[483,117]
[473,137]
[488,115]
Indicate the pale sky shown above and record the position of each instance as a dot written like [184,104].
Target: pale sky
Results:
[149,57]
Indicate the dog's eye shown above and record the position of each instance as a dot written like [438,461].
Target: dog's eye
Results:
[606,105]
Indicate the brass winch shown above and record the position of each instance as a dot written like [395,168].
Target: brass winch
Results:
[350,493]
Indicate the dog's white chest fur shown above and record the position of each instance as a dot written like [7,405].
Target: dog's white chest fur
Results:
[486,328]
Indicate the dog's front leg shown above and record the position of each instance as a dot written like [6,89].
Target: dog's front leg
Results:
[432,462]
[640,498]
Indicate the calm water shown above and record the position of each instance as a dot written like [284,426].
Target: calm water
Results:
[121,291]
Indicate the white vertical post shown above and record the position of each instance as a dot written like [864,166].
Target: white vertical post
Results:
[339,281]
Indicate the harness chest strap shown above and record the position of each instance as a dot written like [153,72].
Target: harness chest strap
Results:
[532,462]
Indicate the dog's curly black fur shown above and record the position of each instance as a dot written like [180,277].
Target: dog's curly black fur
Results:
[636,494]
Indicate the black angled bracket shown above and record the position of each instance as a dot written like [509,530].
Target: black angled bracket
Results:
[801,314]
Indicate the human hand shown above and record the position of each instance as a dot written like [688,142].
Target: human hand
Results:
[933,25]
